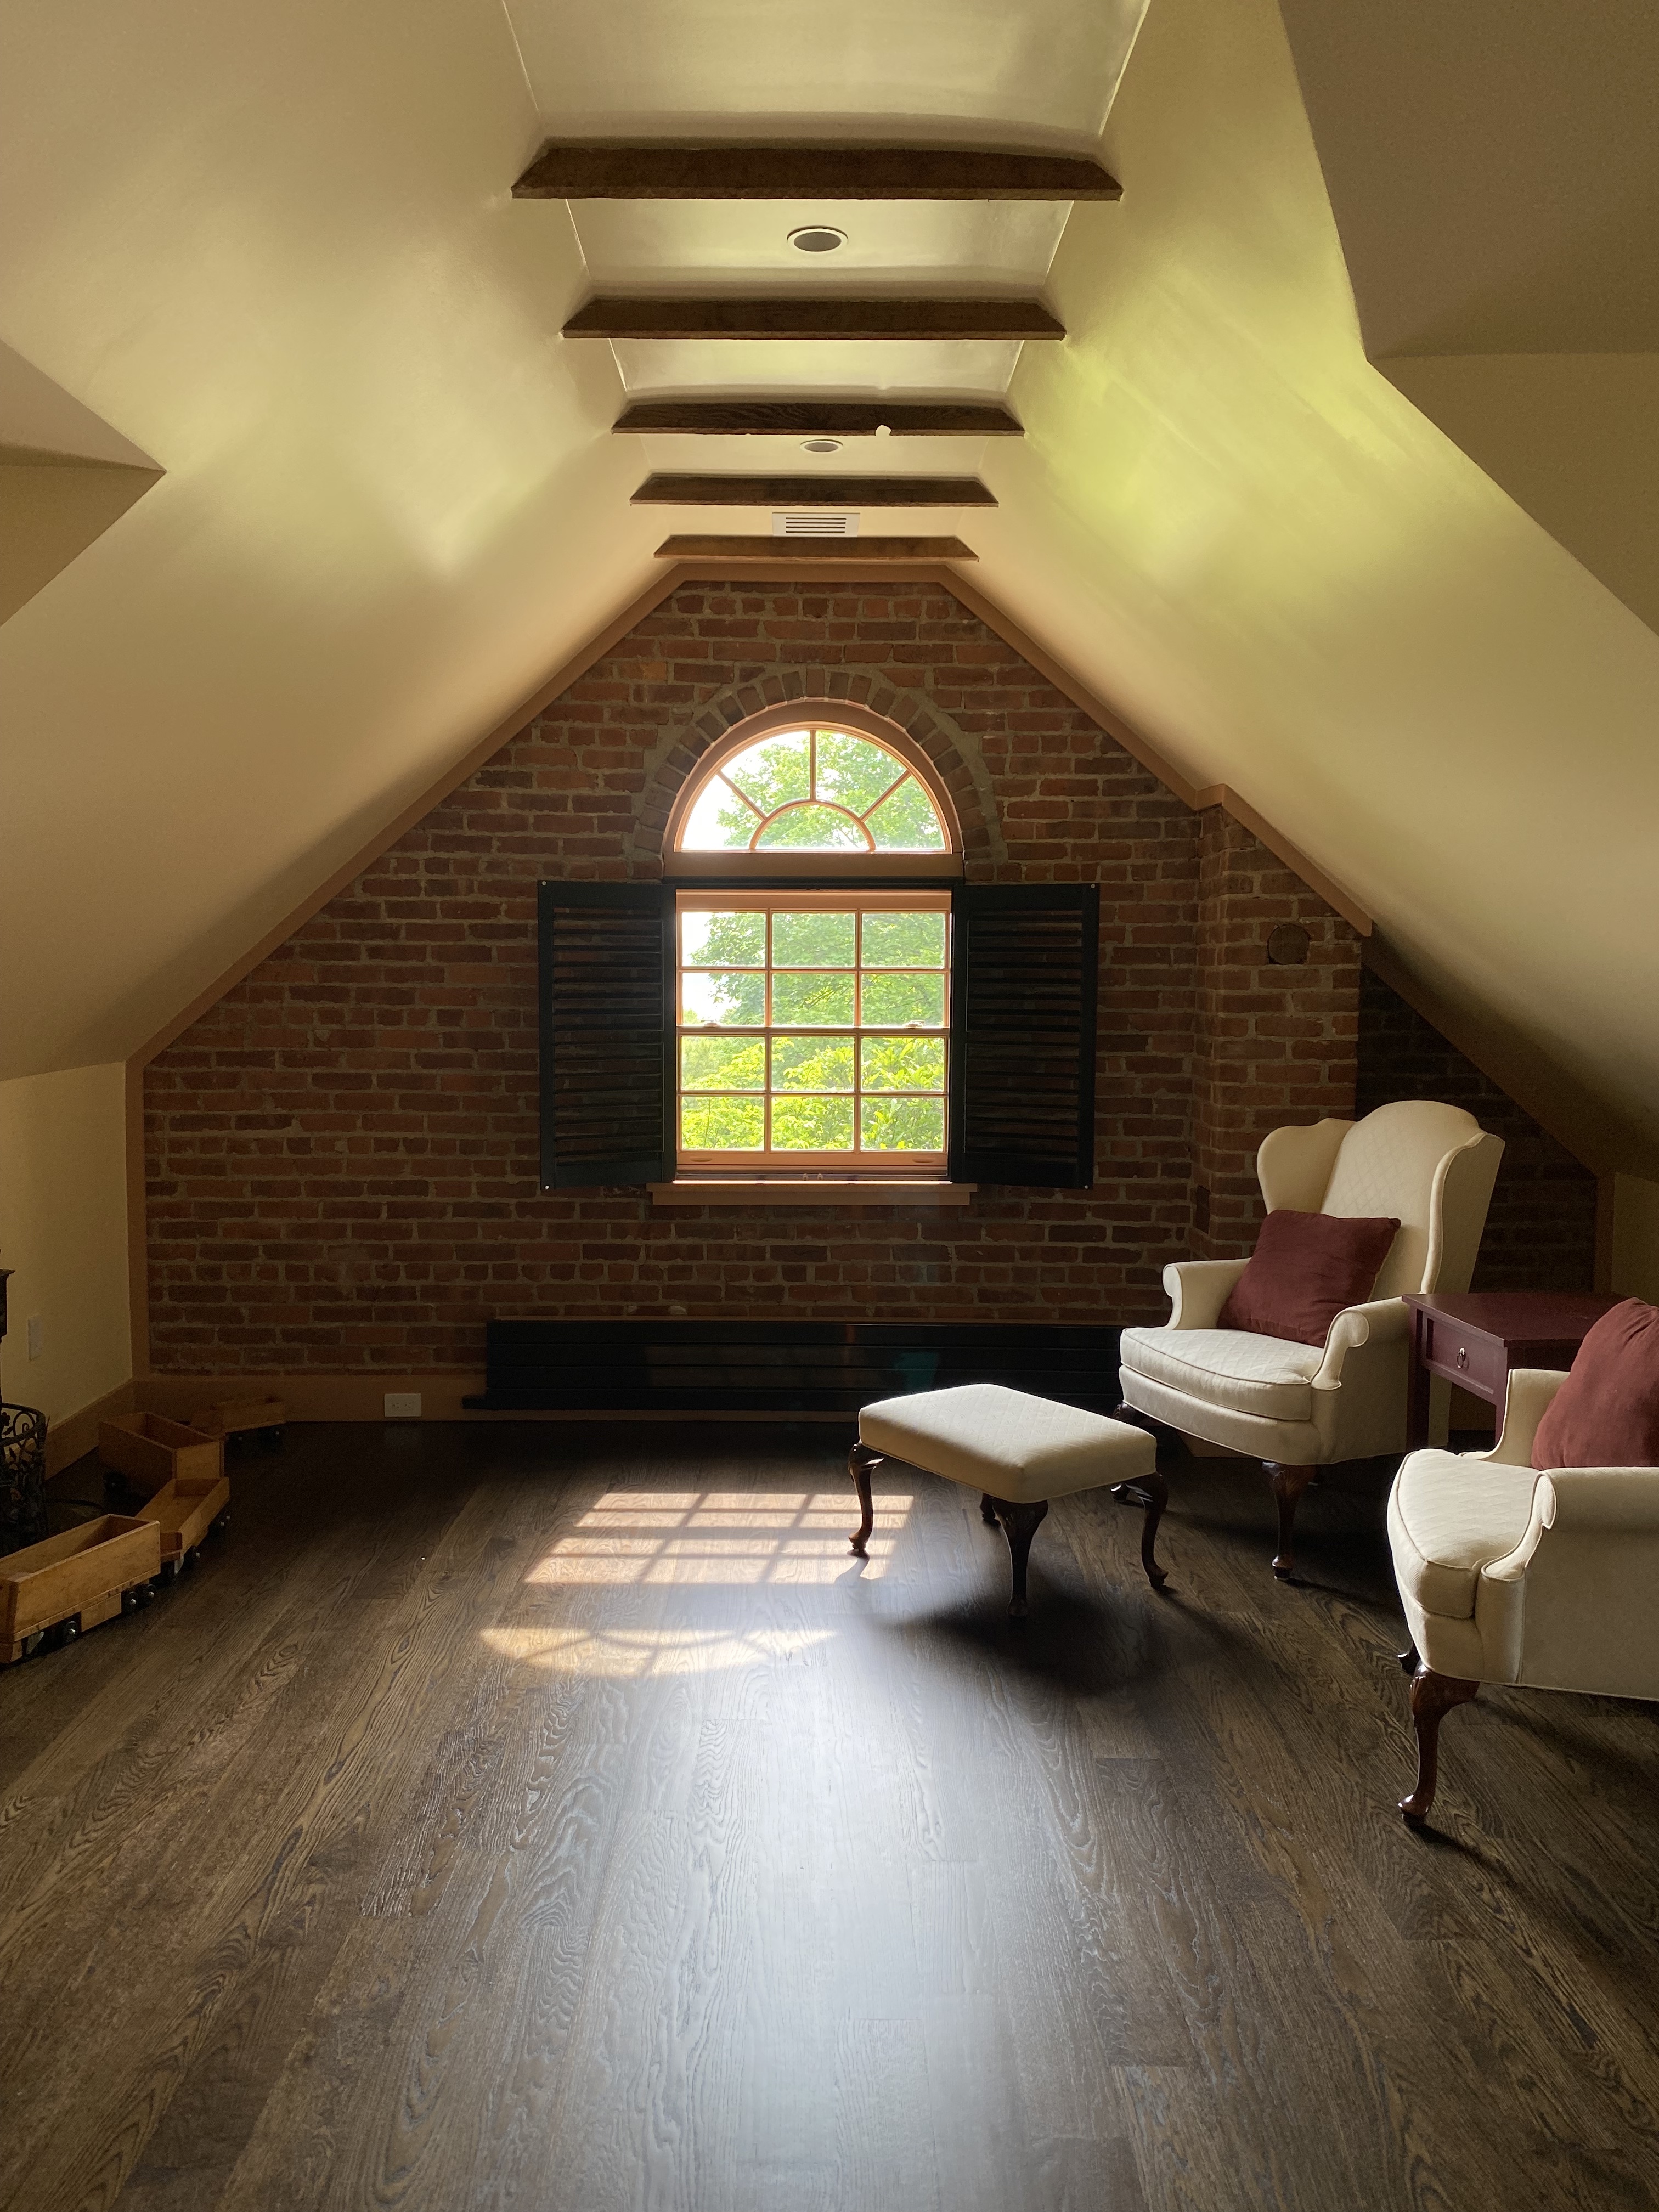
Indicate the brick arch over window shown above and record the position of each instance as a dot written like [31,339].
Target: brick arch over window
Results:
[954,754]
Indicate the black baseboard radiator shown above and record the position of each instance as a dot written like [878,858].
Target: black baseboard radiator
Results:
[783,1366]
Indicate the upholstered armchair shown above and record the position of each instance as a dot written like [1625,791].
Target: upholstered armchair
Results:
[1297,1407]
[1543,1581]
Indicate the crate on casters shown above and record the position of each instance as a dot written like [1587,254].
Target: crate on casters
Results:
[184,1510]
[150,1451]
[265,1418]
[73,1582]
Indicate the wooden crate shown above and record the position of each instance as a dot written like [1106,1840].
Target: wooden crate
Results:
[231,1417]
[184,1510]
[151,1450]
[82,1572]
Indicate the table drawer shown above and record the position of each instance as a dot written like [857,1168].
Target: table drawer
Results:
[1480,1363]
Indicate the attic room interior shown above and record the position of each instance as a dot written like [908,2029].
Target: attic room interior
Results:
[829,866]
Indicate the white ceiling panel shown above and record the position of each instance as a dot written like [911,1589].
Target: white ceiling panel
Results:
[1042,74]
[919,368]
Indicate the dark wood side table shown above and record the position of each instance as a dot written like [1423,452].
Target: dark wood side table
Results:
[1475,1337]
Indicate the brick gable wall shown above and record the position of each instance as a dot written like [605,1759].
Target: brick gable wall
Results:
[342,1153]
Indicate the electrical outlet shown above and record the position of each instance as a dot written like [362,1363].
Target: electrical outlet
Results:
[37,1333]
[403,1405]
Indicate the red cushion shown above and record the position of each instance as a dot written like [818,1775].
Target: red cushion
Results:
[1606,1412]
[1306,1267]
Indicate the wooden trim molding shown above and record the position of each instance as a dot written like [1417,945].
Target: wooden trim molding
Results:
[663,489]
[610,169]
[841,552]
[362,1397]
[813,418]
[73,1435]
[834,315]
[769,1191]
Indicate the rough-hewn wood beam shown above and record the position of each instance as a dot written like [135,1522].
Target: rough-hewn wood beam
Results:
[815,418]
[867,551]
[664,490]
[786,315]
[591,169]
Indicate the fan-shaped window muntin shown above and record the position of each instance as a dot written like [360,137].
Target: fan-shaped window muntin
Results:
[814,787]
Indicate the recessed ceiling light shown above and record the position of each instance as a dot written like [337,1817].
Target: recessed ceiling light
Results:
[820,444]
[818,238]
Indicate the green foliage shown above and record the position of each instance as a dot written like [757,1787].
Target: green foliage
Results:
[904,940]
[722,1125]
[811,1063]
[724,940]
[814,940]
[812,1125]
[906,822]
[853,772]
[734,1001]
[902,1125]
[893,1002]
[817,1000]
[773,772]
[713,1063]
[903,1063]
[812,828]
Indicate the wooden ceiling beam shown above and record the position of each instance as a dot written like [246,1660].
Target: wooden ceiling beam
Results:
[815,418]
[666,490]
[866,552]
[595,169]
[784,315]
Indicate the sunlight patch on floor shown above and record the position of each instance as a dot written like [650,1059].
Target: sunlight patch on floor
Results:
[646,1654]
[722,1537]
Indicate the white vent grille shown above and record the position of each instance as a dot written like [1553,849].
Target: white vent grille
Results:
[818,524]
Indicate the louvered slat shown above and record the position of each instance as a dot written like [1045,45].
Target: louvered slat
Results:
[1027,966]
[604,950]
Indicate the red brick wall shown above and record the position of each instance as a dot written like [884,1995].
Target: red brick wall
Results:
[1541,1231]
[342,1153]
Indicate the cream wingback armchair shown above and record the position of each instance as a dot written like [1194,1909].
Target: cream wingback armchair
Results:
[1506,1575]
[1300,1406]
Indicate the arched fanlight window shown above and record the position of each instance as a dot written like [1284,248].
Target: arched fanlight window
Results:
[817,788]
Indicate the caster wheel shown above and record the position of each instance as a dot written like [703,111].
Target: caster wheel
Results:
[143,1594]
[66,1632]
[172,1568]
[129,1600]
[221,1524]
[271,1439]
[32,1643]
[192,1558]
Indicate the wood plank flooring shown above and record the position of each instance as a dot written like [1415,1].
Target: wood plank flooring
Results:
[557,1819]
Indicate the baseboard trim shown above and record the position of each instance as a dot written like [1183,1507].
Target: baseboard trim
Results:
[74,1435]
[363,1398]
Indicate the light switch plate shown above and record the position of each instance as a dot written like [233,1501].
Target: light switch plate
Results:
[403,1405]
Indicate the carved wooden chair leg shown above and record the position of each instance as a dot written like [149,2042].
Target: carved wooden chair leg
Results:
[1289,1483]
[1433,1697]
[860,1461]
[987,1510]
[1157,1497]
[1410,1659]
[1019,1524]
[1136,1493]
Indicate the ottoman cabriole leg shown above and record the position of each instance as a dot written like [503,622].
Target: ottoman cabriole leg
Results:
[1433,1697]
[988,1510]
[1019,1524]
[1157,1497]
[860,1461]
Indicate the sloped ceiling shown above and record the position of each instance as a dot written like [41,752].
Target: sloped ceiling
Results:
[279,255]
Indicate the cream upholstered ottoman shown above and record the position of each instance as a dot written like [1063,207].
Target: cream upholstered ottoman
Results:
[1016,1451]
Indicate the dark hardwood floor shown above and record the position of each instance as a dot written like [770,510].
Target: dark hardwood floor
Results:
[557,1818]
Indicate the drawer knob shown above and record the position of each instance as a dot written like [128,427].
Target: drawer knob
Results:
[1462,1355]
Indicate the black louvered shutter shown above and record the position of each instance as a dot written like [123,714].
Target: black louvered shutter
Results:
[1025,962]
[605,966]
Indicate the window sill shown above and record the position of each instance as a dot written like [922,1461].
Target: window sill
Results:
[775,1191]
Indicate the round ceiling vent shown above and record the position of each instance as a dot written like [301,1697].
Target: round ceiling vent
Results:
[818,238]
[820,444]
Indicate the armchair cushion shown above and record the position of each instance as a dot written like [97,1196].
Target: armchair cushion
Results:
[1606,1412]
[1306,1267]
[1447,1519]
[1232,1368]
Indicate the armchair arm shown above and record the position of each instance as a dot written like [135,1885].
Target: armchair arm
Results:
[1198,1289]
[1583,1502]
[1530,1390]
[1382,1320]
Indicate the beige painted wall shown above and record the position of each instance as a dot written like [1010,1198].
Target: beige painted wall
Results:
[1636,1237]
[63,1230]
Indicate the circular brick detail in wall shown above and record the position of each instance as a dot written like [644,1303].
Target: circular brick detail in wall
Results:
[1287,945]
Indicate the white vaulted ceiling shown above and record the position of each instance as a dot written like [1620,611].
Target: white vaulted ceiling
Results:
[278,255]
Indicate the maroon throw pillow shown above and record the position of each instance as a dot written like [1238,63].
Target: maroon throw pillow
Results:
[1306,1267]
[1606,1412]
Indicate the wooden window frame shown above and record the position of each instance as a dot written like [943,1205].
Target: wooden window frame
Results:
[777,1165]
